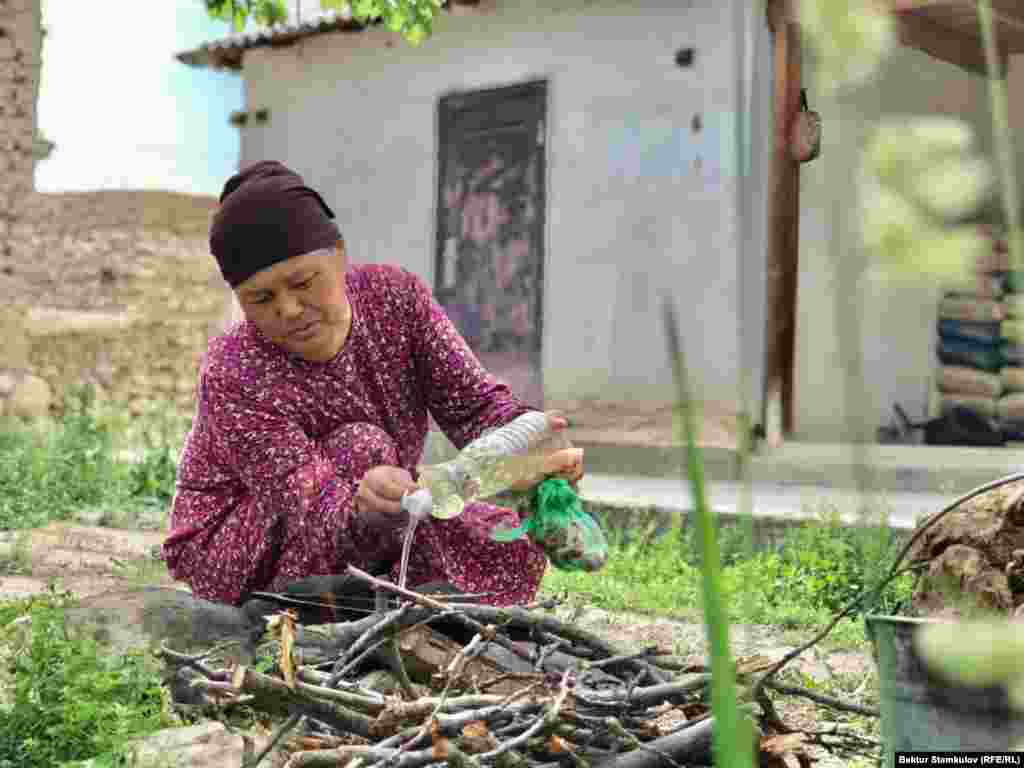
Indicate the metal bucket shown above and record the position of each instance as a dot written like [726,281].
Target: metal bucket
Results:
[922,712]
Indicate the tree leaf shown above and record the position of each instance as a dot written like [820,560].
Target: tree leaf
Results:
[901,149]
[271,12]
[891,224]
[948,254]
[394,20]
[973,653]
[417,33]
[954,187]
[1015,691]
[852,38]
[364,10]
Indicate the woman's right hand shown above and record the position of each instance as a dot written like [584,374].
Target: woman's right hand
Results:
[379,497]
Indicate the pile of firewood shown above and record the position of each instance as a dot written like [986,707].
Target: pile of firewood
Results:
[474,685]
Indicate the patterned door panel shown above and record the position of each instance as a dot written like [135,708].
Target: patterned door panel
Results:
[489,252]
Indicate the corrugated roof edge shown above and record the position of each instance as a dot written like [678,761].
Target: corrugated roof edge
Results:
[227,52]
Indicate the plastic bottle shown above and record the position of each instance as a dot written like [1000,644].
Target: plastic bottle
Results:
[491,464]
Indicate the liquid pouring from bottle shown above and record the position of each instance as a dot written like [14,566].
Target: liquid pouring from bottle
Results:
[492,463]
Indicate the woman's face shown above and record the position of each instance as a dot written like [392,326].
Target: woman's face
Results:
[300,303]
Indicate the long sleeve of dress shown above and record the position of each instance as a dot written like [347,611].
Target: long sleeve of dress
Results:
[462,396]
[296,515]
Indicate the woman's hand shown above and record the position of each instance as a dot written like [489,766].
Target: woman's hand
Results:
[566,463]
[379,497]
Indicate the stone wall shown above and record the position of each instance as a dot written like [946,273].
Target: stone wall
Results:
[20,64]
[115,289]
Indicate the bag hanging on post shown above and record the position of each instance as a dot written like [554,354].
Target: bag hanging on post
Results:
[805,137]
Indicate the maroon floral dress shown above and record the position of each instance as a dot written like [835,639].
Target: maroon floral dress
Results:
[279,444]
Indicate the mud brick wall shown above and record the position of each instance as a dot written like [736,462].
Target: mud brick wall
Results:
[20,65]
[116,289]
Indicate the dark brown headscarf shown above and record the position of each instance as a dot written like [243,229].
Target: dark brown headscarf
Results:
[267,214]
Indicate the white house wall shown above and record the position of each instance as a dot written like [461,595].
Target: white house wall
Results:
[638,205]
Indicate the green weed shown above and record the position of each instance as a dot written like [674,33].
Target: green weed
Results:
[799,584]
[52,471]
[16,556]
[66,699]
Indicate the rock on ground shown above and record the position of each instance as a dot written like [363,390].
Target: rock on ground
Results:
[207,745]
[30,398]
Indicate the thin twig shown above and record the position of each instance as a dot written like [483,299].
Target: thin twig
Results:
[329,758]
[320,679]
[615,727]
[464,614]
[193,661]
[453,672]
[542,722]
[850,608]
[416,597]
[546,651]
[274,692]
[280,733]
[646,652]
[820,698]
[364,640]
[518,617]
[336,678]
[643,697]
[398,667]
[956,504]
[506,676]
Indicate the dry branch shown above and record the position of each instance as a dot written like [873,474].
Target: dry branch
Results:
[691,745]
[525,690]
[272,694]
[820,698]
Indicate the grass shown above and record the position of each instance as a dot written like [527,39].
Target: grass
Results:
[798,584]
[16,556]
[56,470]
[66,699]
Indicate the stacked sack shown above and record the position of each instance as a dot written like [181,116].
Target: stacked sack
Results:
[1010,410]
[971,347]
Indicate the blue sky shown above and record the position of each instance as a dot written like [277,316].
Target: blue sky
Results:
[123,112]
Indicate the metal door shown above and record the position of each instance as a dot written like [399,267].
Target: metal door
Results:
[490,230]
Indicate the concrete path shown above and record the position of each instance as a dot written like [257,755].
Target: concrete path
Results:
[768,500]
[926,469]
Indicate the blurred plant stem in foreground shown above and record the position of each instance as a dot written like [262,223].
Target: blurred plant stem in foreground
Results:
[1006,159]
[733,738]
[987,653]
[851,39]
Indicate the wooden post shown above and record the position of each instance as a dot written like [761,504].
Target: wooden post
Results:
[783,228]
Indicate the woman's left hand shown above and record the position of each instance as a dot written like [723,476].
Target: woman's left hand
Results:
[566,462]
[571,468]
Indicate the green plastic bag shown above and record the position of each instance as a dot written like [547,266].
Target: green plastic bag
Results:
[572,539]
